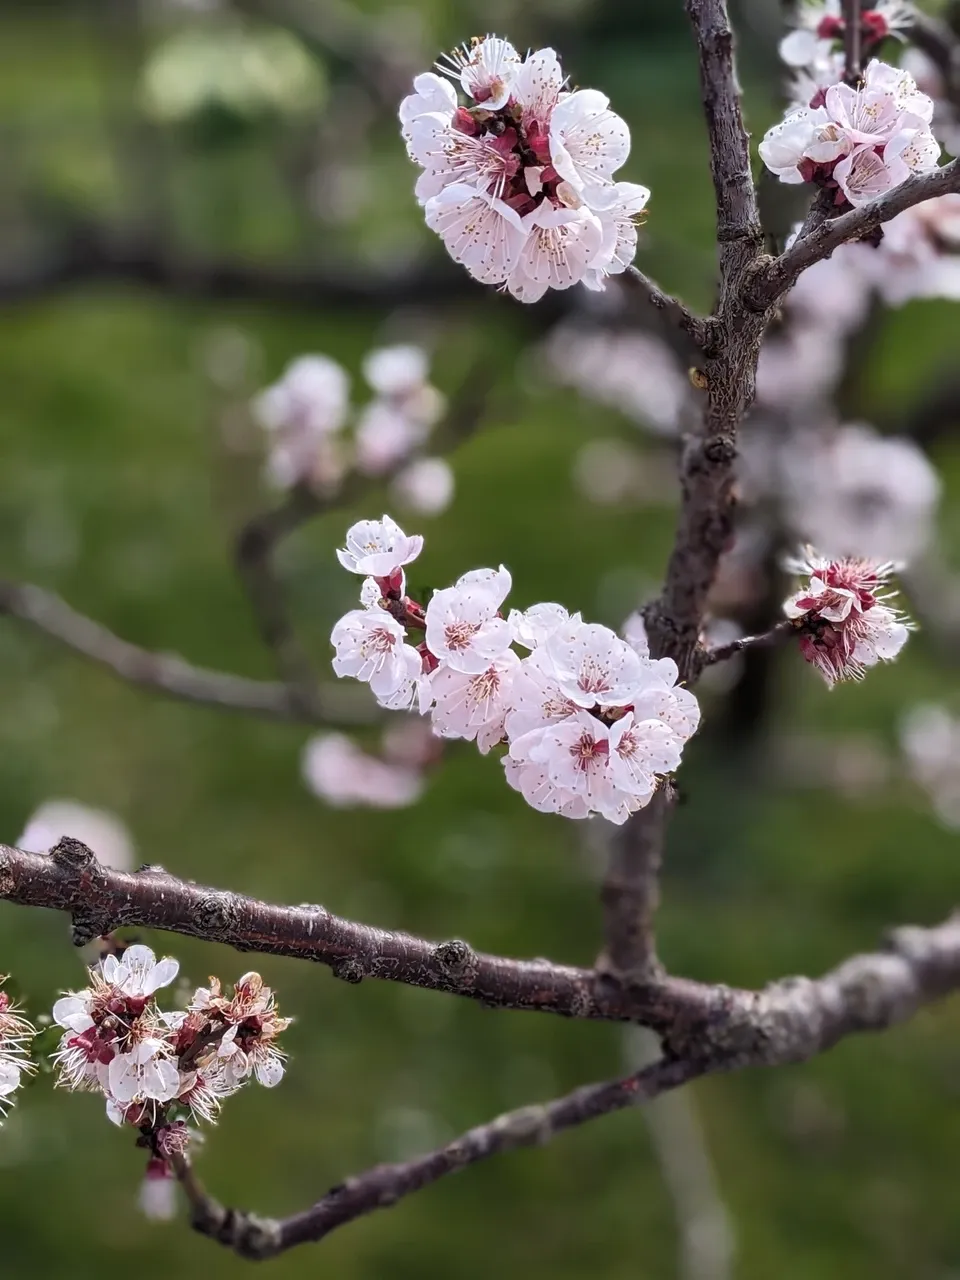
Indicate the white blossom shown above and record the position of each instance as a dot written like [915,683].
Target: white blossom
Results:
[588,144]
[144,1073]
[138,972]
[396,371]
[474,707]
[593,665]
[866,139]
[520,187]
[370,647]
[487,70]
[16,1037]
[376,548]
[464,627]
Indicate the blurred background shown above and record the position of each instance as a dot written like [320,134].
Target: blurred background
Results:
[192,195]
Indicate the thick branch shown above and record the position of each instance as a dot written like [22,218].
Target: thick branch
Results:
[631,893]
[101,900]
[383,1185]
[771,283]
[167,673]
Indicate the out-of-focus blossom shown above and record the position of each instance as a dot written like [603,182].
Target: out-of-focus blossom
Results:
[858,493]
[425,486]
[929,78]
[919,255]
[818,24]
[633,372]
[340,773]
[103,832]
[847,626]
[301,413]
[930,739]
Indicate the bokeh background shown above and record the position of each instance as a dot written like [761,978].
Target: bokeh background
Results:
[125,351]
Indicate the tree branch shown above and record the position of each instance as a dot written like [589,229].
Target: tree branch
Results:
[383,1185]
[779,275]
[169,674]
[100,900]
[631,893]
[731,351]
[789,1022]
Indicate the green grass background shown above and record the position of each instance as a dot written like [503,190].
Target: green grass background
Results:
[116,492]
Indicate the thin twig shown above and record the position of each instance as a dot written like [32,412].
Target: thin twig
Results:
[167,673]
[673,311]
[384,1185]
[777,634]
[779,275]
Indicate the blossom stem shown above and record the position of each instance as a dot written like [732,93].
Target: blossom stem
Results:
[852,41]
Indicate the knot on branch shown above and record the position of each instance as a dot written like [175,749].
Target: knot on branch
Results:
[456,960]
[7,880]
[216,913]
[246,1234]
[349,969]
[720,451]
[73,855]
[525,1127]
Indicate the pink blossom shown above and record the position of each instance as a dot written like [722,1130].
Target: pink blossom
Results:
[847,626]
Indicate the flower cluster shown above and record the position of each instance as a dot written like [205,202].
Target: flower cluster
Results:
[519,183]
[845,624]
[860,141]
[305,412]
[155,1068]
[592,722]
[16,1036]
